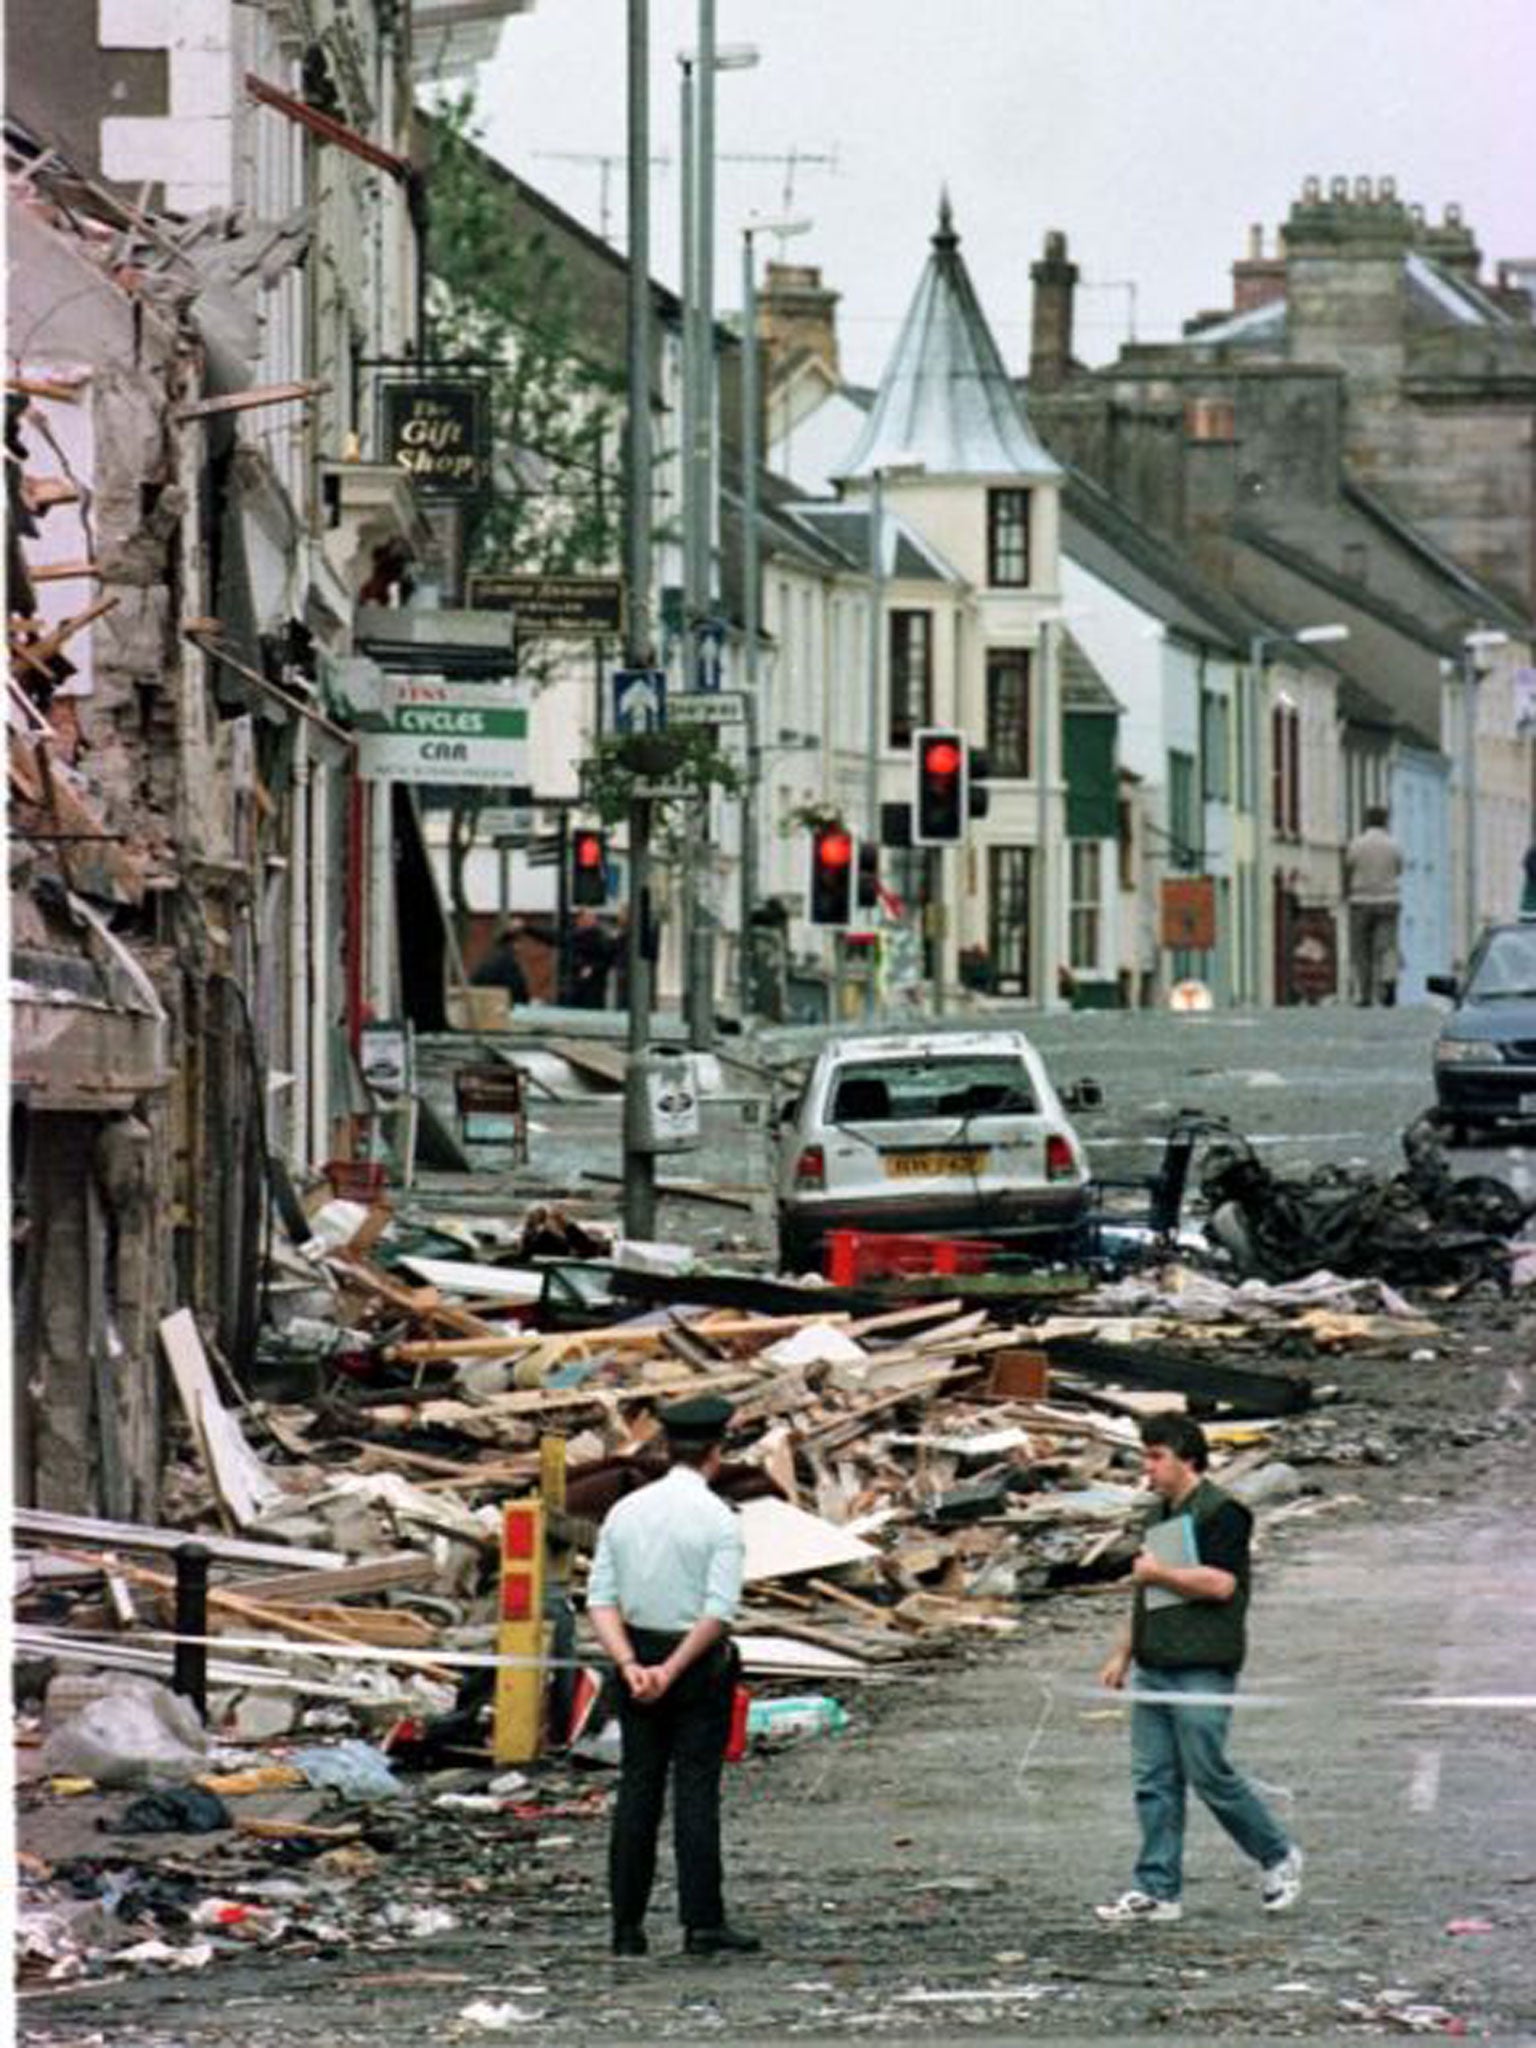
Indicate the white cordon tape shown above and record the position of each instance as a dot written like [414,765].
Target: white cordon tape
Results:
[1490,1702]
[1472,1702]
[472,1660]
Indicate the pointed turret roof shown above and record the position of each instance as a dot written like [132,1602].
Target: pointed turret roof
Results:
[946,400]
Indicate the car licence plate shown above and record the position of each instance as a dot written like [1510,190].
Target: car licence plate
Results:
[925,1165]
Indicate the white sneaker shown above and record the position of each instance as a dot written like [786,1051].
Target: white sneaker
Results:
[1282,1882]
[1136,1906]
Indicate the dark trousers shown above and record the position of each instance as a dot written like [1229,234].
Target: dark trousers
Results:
[684,1732]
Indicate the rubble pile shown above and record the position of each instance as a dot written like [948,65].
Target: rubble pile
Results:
[910,1475]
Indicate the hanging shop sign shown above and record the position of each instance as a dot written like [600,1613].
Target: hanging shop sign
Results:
[451,732]
[577,606]
[439,432]
[1189,913]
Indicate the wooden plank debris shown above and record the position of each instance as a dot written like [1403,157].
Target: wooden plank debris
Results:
[96,1534]
[244,1486]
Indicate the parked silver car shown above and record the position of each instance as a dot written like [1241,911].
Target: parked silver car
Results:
[954,1134]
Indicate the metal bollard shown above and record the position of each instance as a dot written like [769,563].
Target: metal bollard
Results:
[189,1669]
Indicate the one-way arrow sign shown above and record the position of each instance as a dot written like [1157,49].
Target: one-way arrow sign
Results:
[639,700]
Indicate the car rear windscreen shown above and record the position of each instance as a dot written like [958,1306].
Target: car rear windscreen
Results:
[891,1091]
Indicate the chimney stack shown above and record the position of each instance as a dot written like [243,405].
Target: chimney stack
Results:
[1257,279]
[1050,345]
[797,313]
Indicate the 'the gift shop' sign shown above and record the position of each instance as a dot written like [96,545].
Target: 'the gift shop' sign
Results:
[438,432]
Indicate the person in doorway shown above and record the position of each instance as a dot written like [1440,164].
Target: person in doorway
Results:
[501,967]
[1528,891]
[1186,1643]
[593,952]
[664,1588]
[1373,879]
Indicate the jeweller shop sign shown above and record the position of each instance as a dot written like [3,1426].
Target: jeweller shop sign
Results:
[451,732]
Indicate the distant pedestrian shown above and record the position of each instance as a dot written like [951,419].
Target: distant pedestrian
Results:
[1187,1640]
[663,1593]
[593,952]
[501,967]
[1373,881]
[1528,893]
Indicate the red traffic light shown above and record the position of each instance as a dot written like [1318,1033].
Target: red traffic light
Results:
[939,795]
[589,869]
[832,869]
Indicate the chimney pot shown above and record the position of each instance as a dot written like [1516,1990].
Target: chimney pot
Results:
[1338,188]
[1312,190]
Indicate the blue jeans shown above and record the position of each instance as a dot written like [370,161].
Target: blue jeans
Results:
[1174,1748]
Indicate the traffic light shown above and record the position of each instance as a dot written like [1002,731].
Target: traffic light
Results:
[978,794]
[589,870]
[869,876]
[939,802]
[832,872]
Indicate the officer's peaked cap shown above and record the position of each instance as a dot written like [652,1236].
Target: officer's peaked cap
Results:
[702,1420]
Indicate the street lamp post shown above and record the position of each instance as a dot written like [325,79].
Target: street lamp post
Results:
[639,1166]
[900,468]
[698,181]
[1472,644]
[1255,753]
[872,723]
[751,550]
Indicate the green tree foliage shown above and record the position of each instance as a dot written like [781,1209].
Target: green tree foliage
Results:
[499,299]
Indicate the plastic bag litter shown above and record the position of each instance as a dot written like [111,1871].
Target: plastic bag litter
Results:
[500,2019]
[161,1954]
[805,1714]
[136,1733]
[354,1769]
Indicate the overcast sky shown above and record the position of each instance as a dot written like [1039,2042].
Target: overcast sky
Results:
[1152,131]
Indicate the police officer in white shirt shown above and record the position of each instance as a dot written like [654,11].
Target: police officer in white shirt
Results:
[662,1595]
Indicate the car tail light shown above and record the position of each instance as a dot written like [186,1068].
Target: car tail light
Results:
[1059,1163]
[811,1168]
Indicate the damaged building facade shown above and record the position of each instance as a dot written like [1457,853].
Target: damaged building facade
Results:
[212,218]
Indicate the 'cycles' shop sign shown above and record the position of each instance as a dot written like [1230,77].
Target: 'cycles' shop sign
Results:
[439,434]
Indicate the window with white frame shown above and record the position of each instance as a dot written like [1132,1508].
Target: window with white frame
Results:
[1086,905]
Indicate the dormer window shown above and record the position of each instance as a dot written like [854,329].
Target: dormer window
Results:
[1008,539]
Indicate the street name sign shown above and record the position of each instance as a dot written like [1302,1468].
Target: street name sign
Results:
[709,707]
[451,732]
[506,821]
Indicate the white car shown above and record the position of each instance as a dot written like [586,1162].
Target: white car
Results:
[954,1134]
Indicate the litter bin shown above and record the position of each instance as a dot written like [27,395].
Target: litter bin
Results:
[661,1103]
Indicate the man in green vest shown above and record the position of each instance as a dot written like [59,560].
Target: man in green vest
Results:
[1186,1640]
